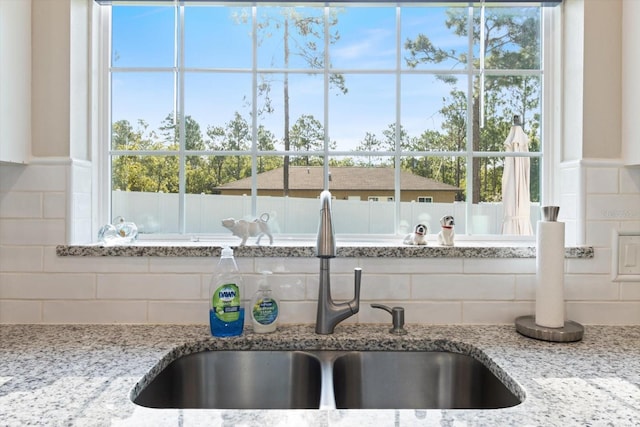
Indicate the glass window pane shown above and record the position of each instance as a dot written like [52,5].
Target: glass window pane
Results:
[368,107]
[142,36]
[367,38]
[290,37]
[512,38]
[505,97]
[216,101]
[217,37]
[145,101]
[434,38]
[431,188]
[434,111]
[299,95]
[144,191]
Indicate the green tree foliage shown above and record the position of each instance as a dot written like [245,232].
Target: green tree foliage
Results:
[302,31]
[141,173]
[511,41]
[307,134]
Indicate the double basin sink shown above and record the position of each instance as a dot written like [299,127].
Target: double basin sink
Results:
[234,379]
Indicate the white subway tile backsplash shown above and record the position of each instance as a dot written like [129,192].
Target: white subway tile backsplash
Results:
[570,178]
[584,287]
[47,286]
[297,312]
[54,263]
[599,264]
[287,265]
[613,207]
[182,265]
[33,178]
[602,180]
[526,287]
[94,312]
[501,265]
[568,207]
[21,258]
[148,286]
[13,311]
[384,287]
[411,265]
[630,291]
[55,205]
[599,233]
[495,312]
[608,313]
[630,180]
[38,286]
[433,312]
[21,205]
[182,312]
[32,231]
[463,287]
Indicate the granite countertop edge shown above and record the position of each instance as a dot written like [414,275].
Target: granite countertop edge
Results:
[308,251]
[86,374]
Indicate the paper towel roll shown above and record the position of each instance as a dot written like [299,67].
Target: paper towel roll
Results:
[550,274]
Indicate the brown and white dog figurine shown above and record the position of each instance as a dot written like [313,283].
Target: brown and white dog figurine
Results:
[418,237]
[245,229]
[446,234]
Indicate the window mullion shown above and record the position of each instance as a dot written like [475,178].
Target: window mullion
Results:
[179,94]
[254,110]
[398,151]
[469,150]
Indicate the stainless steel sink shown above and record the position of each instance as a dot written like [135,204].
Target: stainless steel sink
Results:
[413,380]
[236,380]
[326,380]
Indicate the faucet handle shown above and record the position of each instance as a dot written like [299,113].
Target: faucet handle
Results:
[397,315]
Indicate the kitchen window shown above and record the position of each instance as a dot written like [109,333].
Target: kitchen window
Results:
[230,109]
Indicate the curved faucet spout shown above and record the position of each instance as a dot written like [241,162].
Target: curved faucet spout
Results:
[326,241]
[331,313]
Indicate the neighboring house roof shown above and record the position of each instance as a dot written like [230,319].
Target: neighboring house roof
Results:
[342,178]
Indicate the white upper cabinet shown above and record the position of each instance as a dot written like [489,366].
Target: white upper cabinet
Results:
[630,82]
[15,81]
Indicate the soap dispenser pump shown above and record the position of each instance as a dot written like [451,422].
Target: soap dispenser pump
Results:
[264,307]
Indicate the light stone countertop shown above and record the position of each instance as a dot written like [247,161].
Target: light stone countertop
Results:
[84,374]
[375,249]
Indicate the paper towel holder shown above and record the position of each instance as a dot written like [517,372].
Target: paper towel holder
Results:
[527,326]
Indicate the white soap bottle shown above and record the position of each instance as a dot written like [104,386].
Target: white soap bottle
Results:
[265,307]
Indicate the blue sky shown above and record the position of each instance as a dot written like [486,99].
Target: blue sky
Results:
[143,37]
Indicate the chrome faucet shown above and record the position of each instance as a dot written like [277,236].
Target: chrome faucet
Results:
[330,313]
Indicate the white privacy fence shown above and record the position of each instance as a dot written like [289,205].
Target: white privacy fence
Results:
[158,213]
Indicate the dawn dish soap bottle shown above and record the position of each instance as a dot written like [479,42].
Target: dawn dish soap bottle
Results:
[264,307]
[226,311]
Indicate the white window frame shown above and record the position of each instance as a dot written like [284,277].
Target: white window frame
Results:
[549,154]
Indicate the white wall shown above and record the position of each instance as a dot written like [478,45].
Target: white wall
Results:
[48,203]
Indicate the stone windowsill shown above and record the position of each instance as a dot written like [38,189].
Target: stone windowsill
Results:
[462,249]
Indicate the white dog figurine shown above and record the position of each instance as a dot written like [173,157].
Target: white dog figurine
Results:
[446,234]
[418,237]
[245,229]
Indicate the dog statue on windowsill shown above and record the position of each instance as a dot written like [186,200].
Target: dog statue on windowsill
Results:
[446,234]
[245,229]
[418,237]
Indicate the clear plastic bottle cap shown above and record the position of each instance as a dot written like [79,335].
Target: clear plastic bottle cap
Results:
[227,252]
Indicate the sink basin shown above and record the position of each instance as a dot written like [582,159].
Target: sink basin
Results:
[326,380]
[416,380]
[236,380]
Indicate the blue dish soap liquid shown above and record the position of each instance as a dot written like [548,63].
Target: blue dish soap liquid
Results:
[226,311]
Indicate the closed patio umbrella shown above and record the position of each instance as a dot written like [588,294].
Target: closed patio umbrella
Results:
[515,184]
